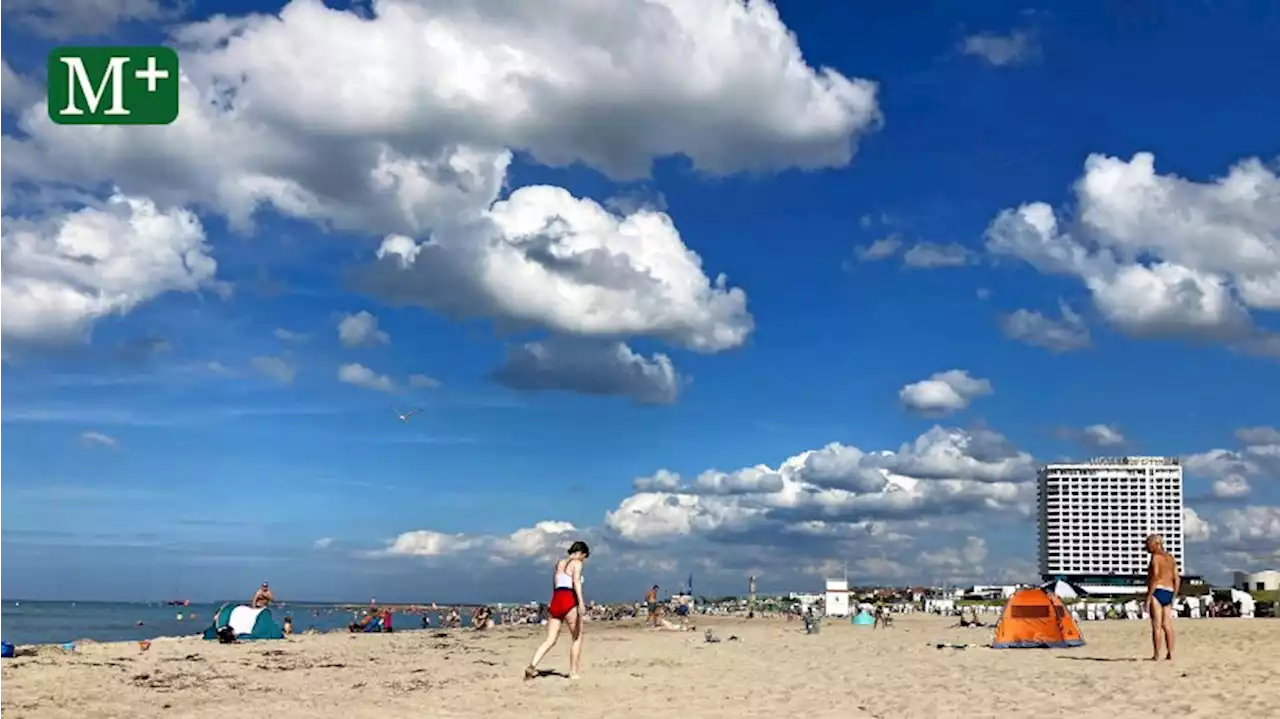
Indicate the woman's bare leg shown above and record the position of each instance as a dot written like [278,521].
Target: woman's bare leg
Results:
[553,634]
[575,649]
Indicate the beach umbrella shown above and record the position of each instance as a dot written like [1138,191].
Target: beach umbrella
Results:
[1065,589]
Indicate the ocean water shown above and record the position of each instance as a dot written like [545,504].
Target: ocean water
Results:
[31,622]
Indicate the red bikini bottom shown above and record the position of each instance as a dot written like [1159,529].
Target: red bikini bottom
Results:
[562,602]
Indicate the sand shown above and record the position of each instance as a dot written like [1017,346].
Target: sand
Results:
[1225,665]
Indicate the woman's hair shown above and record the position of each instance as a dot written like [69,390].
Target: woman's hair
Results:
[580,547]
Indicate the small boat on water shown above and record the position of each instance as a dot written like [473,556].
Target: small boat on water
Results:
[179,602]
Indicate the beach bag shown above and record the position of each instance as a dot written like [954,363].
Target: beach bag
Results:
[6,650]
[226,635]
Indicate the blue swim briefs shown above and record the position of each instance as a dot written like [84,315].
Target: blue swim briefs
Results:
[1164,596]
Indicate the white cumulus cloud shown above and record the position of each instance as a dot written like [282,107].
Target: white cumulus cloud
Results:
[361,330]
[361,376]
[1163,256]
[1016,47]
[62,272]
[1103,436]
[944,392]
[418,144]
[1232,470]
[836,500]
[1056,335]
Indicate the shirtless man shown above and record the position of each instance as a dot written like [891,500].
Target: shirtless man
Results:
[262,598]
[651,602]
[1163,583]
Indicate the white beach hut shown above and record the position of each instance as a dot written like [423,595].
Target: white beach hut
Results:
[837,599]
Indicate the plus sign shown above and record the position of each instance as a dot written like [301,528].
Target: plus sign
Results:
[151,74]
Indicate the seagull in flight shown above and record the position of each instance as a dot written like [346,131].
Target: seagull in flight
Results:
[404,417]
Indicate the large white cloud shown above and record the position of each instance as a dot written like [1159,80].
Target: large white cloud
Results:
[418,143]
[546,258]
[837,499]
[908,514]
[541,541]
[62,272]
[1163,256]
[1237,538]
[1252,525]
[943,471]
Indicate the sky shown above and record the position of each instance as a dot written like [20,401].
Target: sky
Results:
[723,288]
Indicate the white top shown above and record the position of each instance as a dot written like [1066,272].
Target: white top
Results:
[563,580]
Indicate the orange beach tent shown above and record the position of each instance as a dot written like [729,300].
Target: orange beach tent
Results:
[1035,618]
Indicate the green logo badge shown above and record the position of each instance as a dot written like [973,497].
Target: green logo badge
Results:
[113,85]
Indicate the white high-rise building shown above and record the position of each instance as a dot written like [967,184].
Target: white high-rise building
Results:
[1095,515]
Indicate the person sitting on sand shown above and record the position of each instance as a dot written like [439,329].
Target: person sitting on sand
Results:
[370,616]
[1163,583]
[288,626]
[567,605]
[262,598]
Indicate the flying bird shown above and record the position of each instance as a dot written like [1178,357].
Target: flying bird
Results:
[405,416]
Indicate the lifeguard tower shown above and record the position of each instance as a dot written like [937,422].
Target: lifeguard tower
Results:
[837,598]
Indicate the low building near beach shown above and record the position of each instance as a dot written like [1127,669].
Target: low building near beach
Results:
[991,591]
[804,599]
[1265,581]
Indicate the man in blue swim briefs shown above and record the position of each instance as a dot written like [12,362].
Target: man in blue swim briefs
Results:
[1163,583]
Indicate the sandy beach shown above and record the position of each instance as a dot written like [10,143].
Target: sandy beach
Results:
[773,668]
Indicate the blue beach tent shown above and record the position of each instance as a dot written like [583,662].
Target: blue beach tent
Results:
[863,619]
[246,623]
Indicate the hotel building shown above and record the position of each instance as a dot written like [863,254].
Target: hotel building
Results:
[1095,515]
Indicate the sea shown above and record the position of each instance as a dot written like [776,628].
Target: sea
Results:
[43,622]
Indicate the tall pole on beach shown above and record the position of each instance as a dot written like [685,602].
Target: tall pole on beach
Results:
[751,596]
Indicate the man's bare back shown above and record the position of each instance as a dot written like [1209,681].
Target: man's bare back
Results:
[1163,583]
[1163,572]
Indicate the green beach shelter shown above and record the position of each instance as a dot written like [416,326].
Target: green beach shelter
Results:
[245,622]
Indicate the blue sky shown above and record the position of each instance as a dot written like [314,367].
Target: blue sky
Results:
[955,242]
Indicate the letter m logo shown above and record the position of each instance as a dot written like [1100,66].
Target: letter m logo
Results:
[113,85]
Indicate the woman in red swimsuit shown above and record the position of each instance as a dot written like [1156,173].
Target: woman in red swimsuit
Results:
[566,608]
